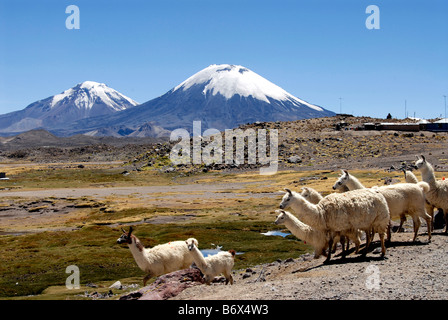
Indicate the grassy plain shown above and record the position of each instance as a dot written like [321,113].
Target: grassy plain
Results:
[34,263]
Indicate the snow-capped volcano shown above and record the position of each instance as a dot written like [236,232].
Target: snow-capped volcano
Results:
[86,99]
[223,97]
[230,80]
[89,93]
[220,96]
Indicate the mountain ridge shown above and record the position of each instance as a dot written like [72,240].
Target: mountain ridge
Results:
[86,99]
[221,97]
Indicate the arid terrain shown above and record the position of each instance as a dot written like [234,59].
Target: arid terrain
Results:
[410,271]
[69,202]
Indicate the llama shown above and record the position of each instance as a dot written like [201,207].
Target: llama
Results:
[407,198]
[159,260]
[437,195]
[411,178]
[314,196]
[347,212]
[402,199]
[211,266]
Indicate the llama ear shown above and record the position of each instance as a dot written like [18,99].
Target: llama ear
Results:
[123,230]
[130,230]
[288,190]
[345,171]
[424,159]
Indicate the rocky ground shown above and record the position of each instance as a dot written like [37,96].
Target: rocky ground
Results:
[409,271]
[310,144]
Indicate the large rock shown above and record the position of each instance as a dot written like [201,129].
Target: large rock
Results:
[168,285]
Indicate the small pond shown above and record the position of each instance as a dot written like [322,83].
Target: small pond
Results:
[276,233]
[211,252]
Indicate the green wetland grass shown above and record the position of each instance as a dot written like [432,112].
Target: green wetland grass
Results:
[32,263]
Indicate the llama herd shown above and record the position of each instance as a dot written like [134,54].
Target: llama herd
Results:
[322,222]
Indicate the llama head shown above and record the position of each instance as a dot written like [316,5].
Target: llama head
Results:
[191,243]
[342,180]
[286,200]
[125,237]
[420,162]
[281,217]
[306,193]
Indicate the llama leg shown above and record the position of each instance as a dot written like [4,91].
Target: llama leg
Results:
[429,225]
[445,212]
[344,252]
[342,240]
[145,279]
[416,227]
[330,245]
[389,227]
[430,210]
[383,247]
[226,275]
[357,245]
[348,244]
[229,277]
[402,221]
[368,240]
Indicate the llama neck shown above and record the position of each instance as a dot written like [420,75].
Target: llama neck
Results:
[309,213]
[410,177]
[136,248]
[428,174]
[315,197]
[198,258]
[297,227]
[353,183]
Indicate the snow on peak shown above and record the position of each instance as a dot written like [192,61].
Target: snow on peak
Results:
[84,95]
[229,80]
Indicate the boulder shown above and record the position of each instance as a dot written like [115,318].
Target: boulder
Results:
[168,285]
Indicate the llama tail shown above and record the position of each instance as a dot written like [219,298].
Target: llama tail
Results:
[232,252]
[424,186]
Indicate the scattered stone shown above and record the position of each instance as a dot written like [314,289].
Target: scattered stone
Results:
[116,285]
[294,159]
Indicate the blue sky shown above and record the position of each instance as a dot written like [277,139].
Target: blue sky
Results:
[317,50]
